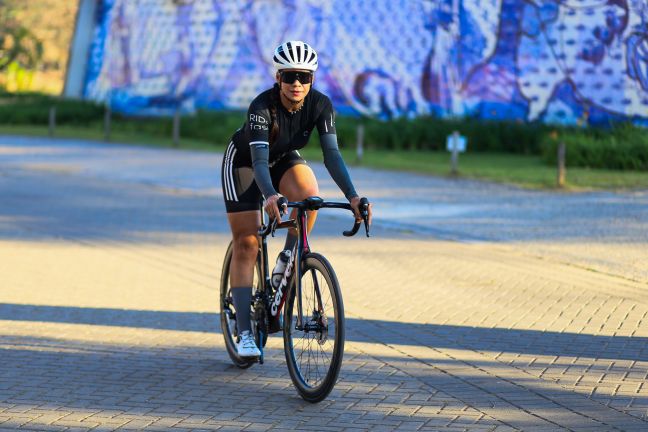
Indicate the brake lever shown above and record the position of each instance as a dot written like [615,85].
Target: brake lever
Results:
[364,213]
[366,225]
[364,204]
[282,205]
[274,226]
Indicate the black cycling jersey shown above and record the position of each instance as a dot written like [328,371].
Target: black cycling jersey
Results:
[294,128]
[250,149]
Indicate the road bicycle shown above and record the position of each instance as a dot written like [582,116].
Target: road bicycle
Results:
[307,305]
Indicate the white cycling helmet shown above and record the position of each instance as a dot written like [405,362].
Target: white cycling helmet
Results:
[295,55]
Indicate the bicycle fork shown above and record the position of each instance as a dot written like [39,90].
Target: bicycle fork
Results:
[293,275]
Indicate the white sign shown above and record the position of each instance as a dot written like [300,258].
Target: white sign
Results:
[456,140]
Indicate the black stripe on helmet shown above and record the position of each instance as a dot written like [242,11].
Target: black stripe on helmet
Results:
[298,49]
[283,54]
[290,52]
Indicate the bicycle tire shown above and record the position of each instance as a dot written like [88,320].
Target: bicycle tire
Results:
[226,308]
[311,387]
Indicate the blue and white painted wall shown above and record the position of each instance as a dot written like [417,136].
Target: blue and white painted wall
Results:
[560,61]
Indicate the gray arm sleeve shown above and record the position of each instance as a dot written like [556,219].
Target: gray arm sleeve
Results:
[335,165]
[260,154]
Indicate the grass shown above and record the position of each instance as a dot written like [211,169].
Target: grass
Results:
[529,171]
[95,133]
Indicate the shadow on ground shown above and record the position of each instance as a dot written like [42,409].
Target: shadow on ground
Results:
[194,382]
[534,342]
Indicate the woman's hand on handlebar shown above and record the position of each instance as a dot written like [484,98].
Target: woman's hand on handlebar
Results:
[357,203]
[276,205]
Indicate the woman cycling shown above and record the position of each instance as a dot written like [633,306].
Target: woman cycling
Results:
[263,158]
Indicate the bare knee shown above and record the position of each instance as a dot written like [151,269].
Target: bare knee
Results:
[246,248]
[299,183]
[305,192]
[313,190]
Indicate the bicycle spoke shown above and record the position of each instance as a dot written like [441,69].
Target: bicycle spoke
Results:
[309,361]
[325,354]
[314,360]
[301,352]
[315,356]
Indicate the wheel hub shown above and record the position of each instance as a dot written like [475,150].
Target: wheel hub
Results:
[318,324]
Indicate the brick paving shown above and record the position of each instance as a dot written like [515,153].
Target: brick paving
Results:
[109,321]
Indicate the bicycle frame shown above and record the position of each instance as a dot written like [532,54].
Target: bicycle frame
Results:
[302,248]
[300,223]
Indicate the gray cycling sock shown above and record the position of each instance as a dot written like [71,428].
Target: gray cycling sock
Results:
[291,241]
[242,298]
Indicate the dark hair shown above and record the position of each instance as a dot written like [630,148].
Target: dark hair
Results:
[274,105]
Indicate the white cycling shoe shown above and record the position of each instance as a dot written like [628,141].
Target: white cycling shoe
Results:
[246,347]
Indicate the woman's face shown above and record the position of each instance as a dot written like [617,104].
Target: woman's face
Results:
[295,91]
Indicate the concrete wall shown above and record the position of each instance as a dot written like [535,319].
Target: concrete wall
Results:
[80,48]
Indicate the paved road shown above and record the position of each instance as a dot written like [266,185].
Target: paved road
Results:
[486,314]
[601,231]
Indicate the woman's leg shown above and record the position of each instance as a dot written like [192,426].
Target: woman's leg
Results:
[244,226]
[296,184]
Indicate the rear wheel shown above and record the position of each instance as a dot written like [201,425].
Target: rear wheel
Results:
[228,312]
[314,352]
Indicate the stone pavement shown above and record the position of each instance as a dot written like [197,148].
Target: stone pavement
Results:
[109,306]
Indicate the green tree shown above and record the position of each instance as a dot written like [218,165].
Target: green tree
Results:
[17,43]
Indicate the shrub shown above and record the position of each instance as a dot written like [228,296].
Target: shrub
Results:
[214,126]
[429,133]
[624,147]
[33,108]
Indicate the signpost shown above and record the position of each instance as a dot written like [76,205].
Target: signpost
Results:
[561,165]
[359,143]
[455,144]
[52,121]
[107,120]
[176,128]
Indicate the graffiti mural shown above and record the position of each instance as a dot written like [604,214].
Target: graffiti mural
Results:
[558,61]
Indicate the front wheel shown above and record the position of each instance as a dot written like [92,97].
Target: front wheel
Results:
[314,351]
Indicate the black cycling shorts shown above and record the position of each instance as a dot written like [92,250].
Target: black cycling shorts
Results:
[240,191]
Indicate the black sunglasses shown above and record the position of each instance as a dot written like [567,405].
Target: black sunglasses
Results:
[289,77]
